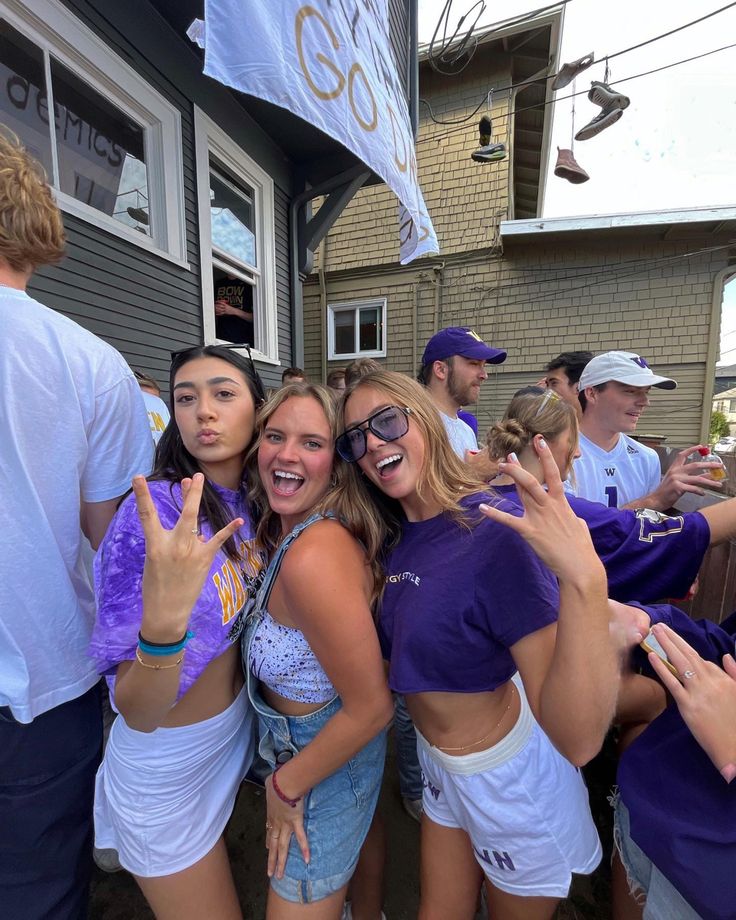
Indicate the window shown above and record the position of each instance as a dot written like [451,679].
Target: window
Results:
[357,329]
[112,149]
[236,221]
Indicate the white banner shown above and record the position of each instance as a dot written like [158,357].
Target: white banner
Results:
[330,64]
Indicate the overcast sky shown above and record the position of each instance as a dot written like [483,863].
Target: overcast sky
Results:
[675,145]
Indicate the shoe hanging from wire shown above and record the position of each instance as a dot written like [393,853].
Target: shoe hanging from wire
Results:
[567,166]
[488,152]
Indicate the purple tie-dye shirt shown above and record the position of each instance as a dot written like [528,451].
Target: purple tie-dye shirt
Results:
[215,619]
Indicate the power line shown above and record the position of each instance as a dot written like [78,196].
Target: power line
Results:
[608,57]
[540,105]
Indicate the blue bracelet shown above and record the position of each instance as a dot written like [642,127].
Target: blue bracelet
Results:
[153,648]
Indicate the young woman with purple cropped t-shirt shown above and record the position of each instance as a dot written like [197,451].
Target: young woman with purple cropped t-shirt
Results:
[504,656]
[167,638]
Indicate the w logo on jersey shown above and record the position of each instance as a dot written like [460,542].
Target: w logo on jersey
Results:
[655,524]
[637,359]
[610,470]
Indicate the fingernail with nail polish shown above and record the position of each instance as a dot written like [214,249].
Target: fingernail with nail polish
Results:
[513,458]
[543,444]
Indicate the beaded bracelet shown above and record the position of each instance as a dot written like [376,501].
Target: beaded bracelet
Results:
[280,793]
[164,648]
[157,667]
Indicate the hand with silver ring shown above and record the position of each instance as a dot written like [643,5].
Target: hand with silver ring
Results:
[708,704]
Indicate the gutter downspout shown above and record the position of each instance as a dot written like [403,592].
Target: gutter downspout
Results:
[713,349]
[413,66]
[322,273]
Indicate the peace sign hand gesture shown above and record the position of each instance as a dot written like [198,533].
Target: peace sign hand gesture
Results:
[549,525]
[177,560]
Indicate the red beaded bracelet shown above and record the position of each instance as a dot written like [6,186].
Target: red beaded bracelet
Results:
[279,792]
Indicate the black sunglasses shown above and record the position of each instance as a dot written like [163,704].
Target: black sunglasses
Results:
[260,391]
[387,424]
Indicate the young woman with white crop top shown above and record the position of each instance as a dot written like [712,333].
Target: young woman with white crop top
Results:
[183,741]
[313,663]
[467,604]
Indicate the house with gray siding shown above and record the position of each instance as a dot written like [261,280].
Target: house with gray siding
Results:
[174,189]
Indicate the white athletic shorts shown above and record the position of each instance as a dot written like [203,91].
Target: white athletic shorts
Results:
[524,807]
[162,799]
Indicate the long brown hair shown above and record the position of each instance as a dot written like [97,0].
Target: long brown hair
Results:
[444,479]
[268,532]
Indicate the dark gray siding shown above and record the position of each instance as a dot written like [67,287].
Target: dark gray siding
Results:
[144,305]
[398,16]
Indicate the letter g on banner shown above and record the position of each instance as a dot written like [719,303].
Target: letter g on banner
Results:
[301,17]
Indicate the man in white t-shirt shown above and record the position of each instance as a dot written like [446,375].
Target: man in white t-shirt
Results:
[74,432]
[613,468]
[453,369]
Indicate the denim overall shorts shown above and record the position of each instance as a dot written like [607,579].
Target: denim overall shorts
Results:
[339,810]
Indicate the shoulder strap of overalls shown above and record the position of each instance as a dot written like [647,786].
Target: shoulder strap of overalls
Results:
[274,566]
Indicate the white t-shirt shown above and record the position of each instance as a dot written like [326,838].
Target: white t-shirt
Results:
[158,414]
[74,427]
[616,477]
[461,435]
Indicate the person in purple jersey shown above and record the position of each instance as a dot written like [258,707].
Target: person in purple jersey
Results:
[675,815]
[466,605]
[647,555]
[183,741]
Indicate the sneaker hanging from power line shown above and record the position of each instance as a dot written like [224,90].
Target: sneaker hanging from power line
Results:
[612,107]
[488,152]
[568,72]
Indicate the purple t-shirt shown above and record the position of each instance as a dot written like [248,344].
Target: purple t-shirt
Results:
[683,813]
[457,599]
[647,555]
[215,620]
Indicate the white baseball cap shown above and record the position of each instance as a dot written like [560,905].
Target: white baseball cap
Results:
[624,367]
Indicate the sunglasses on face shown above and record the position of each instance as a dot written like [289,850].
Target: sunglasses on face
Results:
[238,347]
[387,424]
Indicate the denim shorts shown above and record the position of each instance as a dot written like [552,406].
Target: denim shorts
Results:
[337,812]
[663,900]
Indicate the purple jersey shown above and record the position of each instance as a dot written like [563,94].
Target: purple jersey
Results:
[215,619]
[647,555]
[683,813]
[457,598]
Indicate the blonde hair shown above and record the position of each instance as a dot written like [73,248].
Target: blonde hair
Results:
[31,229]
[268,530]
[528,415]
[443,479]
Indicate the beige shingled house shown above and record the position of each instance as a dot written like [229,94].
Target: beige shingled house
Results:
[647,282]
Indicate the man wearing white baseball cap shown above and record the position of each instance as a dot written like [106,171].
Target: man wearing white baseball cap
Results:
[613,468]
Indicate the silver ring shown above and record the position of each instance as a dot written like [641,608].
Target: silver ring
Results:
[688,674]
[268,826]
[196,531]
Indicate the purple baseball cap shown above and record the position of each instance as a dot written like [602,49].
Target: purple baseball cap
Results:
[460,340]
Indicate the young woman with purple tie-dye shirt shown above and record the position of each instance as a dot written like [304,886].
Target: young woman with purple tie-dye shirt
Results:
[167,639]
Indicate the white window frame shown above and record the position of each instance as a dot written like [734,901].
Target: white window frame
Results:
[355,306]
[56,31]
[212,142]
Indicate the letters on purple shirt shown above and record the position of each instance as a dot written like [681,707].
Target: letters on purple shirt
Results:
[215,619]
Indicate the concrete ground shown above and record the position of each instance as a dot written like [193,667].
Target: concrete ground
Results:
[116,897]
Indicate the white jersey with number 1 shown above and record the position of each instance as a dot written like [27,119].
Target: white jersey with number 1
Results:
[616,477]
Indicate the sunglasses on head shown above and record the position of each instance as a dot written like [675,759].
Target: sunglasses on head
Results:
[235,346]
[387,424]
[549,398]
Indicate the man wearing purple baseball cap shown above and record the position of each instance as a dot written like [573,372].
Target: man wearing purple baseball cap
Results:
[453,369]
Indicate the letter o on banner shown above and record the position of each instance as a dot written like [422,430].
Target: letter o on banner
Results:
[366,126]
